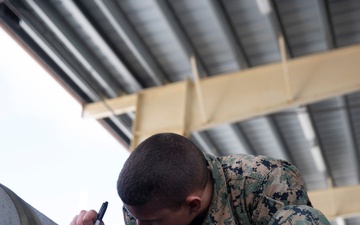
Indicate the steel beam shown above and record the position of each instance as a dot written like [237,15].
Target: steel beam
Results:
[337,202]
[241,95]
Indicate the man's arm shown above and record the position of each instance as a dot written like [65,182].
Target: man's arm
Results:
[283,185]
[298,214]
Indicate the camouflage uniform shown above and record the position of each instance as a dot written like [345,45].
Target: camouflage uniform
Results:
[298,215]
[249,190]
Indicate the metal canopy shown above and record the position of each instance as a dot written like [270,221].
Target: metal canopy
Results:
[122,48]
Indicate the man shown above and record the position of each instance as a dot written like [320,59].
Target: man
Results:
[167,180]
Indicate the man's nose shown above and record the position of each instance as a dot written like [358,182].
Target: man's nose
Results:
[142,223]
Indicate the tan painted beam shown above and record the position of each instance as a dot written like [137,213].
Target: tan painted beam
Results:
[198,87]
[109,107]
[239,95]
[337,202]
[284,64]
[152,116]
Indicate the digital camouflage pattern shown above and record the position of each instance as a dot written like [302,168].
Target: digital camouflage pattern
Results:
[250,190]
[298,215]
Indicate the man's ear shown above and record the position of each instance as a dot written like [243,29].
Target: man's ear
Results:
[194,203]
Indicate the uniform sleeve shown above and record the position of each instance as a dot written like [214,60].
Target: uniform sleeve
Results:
[283,185]
[299,214]
[128,219]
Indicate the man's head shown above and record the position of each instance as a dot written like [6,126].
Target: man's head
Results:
[163,171]
[165,181]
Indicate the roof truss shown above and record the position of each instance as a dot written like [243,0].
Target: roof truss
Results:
[236,96]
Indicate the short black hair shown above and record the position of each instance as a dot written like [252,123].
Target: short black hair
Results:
[164,168]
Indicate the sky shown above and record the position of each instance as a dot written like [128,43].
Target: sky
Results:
[50,156]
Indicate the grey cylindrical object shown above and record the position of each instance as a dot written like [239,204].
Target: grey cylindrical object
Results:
[15,211]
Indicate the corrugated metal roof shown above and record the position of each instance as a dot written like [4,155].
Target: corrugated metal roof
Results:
[303,26]
[334,133]
[254,31]
[352,220]
[345,19]
[300,148]
[228,140]
[205,33]
[262,137]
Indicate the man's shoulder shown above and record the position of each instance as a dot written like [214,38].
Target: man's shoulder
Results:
[241,165]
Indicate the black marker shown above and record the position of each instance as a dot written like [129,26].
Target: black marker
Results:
[101,213]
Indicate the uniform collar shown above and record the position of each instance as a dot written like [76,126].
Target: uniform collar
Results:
[220,210]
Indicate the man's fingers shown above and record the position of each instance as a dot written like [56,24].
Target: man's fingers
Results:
[73,222]
[85,218]
[79,218]
[89,217]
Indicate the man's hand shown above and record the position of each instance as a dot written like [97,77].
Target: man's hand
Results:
[85,218]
